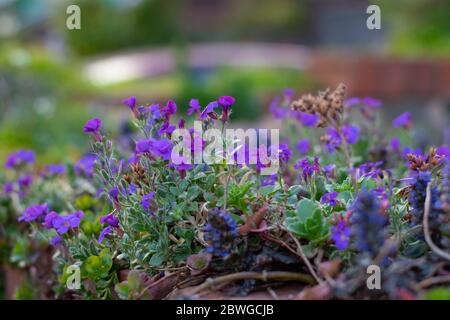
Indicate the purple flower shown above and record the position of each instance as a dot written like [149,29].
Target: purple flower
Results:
[330,198]
[19,158]
[56,240]
[85,165]
[48,220]
[181,123]
[288,93]
[269,180]
[277,112]
[8,188]
[340,234]
[194,106]
[403,120]
[131,104]
[395,144]
[209,110]
[351,133]
[226,102]
[110,219]
[161,148]
[308,120]
[334,140]
[370,169]
[169,109]
[34,212]
[25,181]
[143,146]
[443,151]
[180,163]
[55,169]
[371,102]
[307,167]
[114,194]
[166,128]
[93,126]
[329,171]
[352,101]
[145,202]
[284,152]
[71,221]
[106,231]
[303,146]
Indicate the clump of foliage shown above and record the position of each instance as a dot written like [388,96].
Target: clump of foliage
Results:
[141,223]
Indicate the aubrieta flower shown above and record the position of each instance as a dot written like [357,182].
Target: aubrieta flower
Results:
[220,232]
[56,240]
[371,102]
[146,200]
[181,163]
[330,198]
[48,220]
[340,234]
[110,220]
[368,224]
[269,180]
[284,153]
[351,133]
[370,169]
[352,101]
[85,165]
[329,171]
[21,157]
[303,146]
[55,169]
[307,167]
[93,126]
[209,111]
[34,212]
[276,110]
[8,188]
[169,109]
[308,120]
[404,120]
[332,140]
[226,102]
[106,231]
[162,148]
[25,181]
[131,104]
[62,224]
[395,144]
[166,128]
[194,107]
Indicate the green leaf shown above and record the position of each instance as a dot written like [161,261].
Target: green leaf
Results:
[122,290]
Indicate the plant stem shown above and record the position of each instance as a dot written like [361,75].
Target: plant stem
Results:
[263,276]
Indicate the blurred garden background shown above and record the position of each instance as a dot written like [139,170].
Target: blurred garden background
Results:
[53,79]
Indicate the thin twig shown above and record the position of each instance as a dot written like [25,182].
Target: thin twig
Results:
[263,276]
[303,256]
[432,281]
[426,227]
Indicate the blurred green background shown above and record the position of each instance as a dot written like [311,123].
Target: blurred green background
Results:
[47,93]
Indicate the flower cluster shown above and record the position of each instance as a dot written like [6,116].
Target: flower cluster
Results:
[368,224]
[417,196]
[220,232]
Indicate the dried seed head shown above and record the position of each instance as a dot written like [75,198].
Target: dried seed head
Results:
[328,105]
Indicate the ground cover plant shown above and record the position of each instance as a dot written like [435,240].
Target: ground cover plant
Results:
[131,221]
